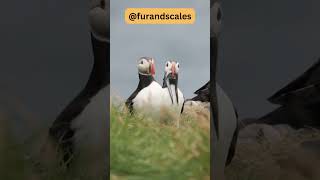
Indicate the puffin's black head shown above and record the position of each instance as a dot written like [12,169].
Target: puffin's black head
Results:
[146,66]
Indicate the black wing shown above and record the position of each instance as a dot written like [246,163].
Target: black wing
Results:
[310,77]
[144,81]
[61,130]
[129,101]
[205,87]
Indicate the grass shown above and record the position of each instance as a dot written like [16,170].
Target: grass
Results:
[143,148]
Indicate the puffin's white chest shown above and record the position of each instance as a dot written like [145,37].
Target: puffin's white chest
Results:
[91,125]
[148,98]
[166,99]
[227,126]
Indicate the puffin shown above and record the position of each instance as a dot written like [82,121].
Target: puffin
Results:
[80,131]
[224,119]
[202,98]
[172,95]
[298,102]
[147,96]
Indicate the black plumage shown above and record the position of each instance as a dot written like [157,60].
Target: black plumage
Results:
[61,130]
[213,89]
[203,94]
[305,83]
[144,81]
[299,100]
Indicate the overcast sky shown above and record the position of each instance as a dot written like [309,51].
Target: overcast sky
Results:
[46,53]
[188,44]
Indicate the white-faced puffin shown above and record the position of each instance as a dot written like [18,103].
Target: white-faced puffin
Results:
[224,121]
[83,124]
[147,96]
[172,95]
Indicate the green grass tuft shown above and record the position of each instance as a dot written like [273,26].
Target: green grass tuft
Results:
[142,148]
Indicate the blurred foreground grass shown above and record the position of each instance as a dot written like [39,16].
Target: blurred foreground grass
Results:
[12,165]
[140,149]
[25,161]
[143,148]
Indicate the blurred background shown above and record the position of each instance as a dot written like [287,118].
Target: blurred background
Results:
[46,54]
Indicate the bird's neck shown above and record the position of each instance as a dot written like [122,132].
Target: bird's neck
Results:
[174,90]
[173,87]
[145,80]
[173,82]
[99,76]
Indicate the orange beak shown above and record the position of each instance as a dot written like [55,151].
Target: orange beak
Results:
[173,70]
[152,69]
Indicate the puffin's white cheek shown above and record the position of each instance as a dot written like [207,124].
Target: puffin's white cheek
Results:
[142,68]
[165,69]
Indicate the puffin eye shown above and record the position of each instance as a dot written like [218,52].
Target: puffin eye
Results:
[167,64]
[141,62]
[178,65]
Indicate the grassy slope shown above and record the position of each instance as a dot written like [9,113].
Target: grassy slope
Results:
[141,149]
[146,149]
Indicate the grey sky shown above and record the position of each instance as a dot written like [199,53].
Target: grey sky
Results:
[189,44]
[46,53]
